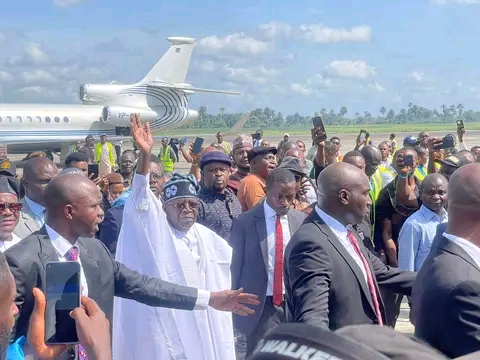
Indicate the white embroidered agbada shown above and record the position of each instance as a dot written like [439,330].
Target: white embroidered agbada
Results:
[149,245]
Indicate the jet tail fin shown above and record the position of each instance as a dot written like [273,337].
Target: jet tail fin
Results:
[172,68]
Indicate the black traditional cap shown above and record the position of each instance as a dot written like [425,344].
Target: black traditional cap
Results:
[454,160]
[289,341]
[9,185]
[8,168]
[261,150]
[215,156]
[293,164]
[180,186]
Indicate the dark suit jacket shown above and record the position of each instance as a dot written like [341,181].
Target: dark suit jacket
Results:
[249,266]
[446,300]
[105,277]
[325,286]
[110,228]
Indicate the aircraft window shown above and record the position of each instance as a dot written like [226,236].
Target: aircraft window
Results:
[47,119]
[29,118]
[8,118]
[65,119]
[39,119]
[19,119]
[57,119]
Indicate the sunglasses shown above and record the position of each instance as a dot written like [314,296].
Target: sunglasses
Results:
[13,207]
[193,205]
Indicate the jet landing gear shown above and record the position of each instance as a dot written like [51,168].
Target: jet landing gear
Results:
[123,131]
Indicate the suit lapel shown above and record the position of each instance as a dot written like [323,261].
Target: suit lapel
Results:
[47,251]
[455,249]
[293,223]
[333,239]
[90,267]
[261,229]
[26,217]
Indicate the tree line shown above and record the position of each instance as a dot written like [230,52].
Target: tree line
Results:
[267,118]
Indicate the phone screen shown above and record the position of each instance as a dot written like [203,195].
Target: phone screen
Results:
[362,135]
[408,160]
[460,124]
[93,169]
[197,145]
[63,295]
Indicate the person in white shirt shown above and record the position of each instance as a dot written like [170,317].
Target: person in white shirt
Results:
[9,211]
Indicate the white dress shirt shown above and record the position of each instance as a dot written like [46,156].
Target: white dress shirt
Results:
[471,249]
[4,245]
[37,210]
[62,247]
[271,221]
[341,232]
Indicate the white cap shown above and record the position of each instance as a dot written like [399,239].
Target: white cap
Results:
[286,134]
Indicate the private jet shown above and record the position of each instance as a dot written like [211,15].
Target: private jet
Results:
[160,98]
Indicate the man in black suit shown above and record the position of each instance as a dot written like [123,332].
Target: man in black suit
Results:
[446,293]
[331,279]
[73,204]
[255,266]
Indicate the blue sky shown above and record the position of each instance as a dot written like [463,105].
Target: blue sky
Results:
[292,56]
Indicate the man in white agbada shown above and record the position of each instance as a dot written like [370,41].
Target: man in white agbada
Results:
[164,240]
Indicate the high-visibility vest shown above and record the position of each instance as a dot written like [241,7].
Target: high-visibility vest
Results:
[420,172]
[166,159]
[376,185]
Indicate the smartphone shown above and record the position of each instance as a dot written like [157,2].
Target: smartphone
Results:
[63,295]
[448,142]
[460,124]
[93,169]
[318,124]
[362,135]
[408,160]
[197,145]
[184,140]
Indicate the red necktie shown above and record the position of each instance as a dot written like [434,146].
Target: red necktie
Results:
[371,284]
[278,267]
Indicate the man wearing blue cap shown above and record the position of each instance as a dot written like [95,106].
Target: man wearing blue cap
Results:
[218,205]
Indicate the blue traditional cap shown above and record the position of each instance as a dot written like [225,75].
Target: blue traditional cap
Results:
[215,156]
[180,186]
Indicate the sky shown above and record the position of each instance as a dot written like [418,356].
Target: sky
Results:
[292,56]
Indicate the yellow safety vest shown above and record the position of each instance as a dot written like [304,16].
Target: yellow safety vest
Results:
[420,173]
[166,159]
[376,185]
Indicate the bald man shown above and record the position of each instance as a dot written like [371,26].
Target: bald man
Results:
[331,279]
[446,293]
[37,173]
[73,216]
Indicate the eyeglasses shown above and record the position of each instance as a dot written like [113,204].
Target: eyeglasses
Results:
[13,207]
[193,205]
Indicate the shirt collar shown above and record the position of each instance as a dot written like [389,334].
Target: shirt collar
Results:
[61,245]
[36,208]
[269,212]
[430,215]
[338,228]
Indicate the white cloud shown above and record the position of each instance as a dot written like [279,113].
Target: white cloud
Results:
[5,77]
[302,89]
[39,77]
[318,33]
[235,43]
[66,3]
[206,66]
[253,75]
[275,29]
[3,37]
[445,2]
[33,54]
[415,77]
[357,69]
[376,86]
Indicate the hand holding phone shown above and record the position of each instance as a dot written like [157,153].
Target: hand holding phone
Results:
[63,295]
[197,146]
[93,169]
[319,133]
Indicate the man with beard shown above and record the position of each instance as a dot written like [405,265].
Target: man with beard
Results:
[252,188]
[218,205]
[127,162]
[162,239]
[241,145]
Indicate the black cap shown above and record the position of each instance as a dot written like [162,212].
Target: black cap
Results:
[454,160]
[215,156]
[9,185]
[293,164]
[261,150]
[286,341]
[8,168]
[395,345]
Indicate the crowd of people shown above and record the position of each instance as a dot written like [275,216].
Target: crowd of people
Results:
[257,252]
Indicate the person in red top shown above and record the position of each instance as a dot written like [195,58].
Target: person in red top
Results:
[241,145]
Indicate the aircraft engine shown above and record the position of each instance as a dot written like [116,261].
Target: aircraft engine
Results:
[120,115]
